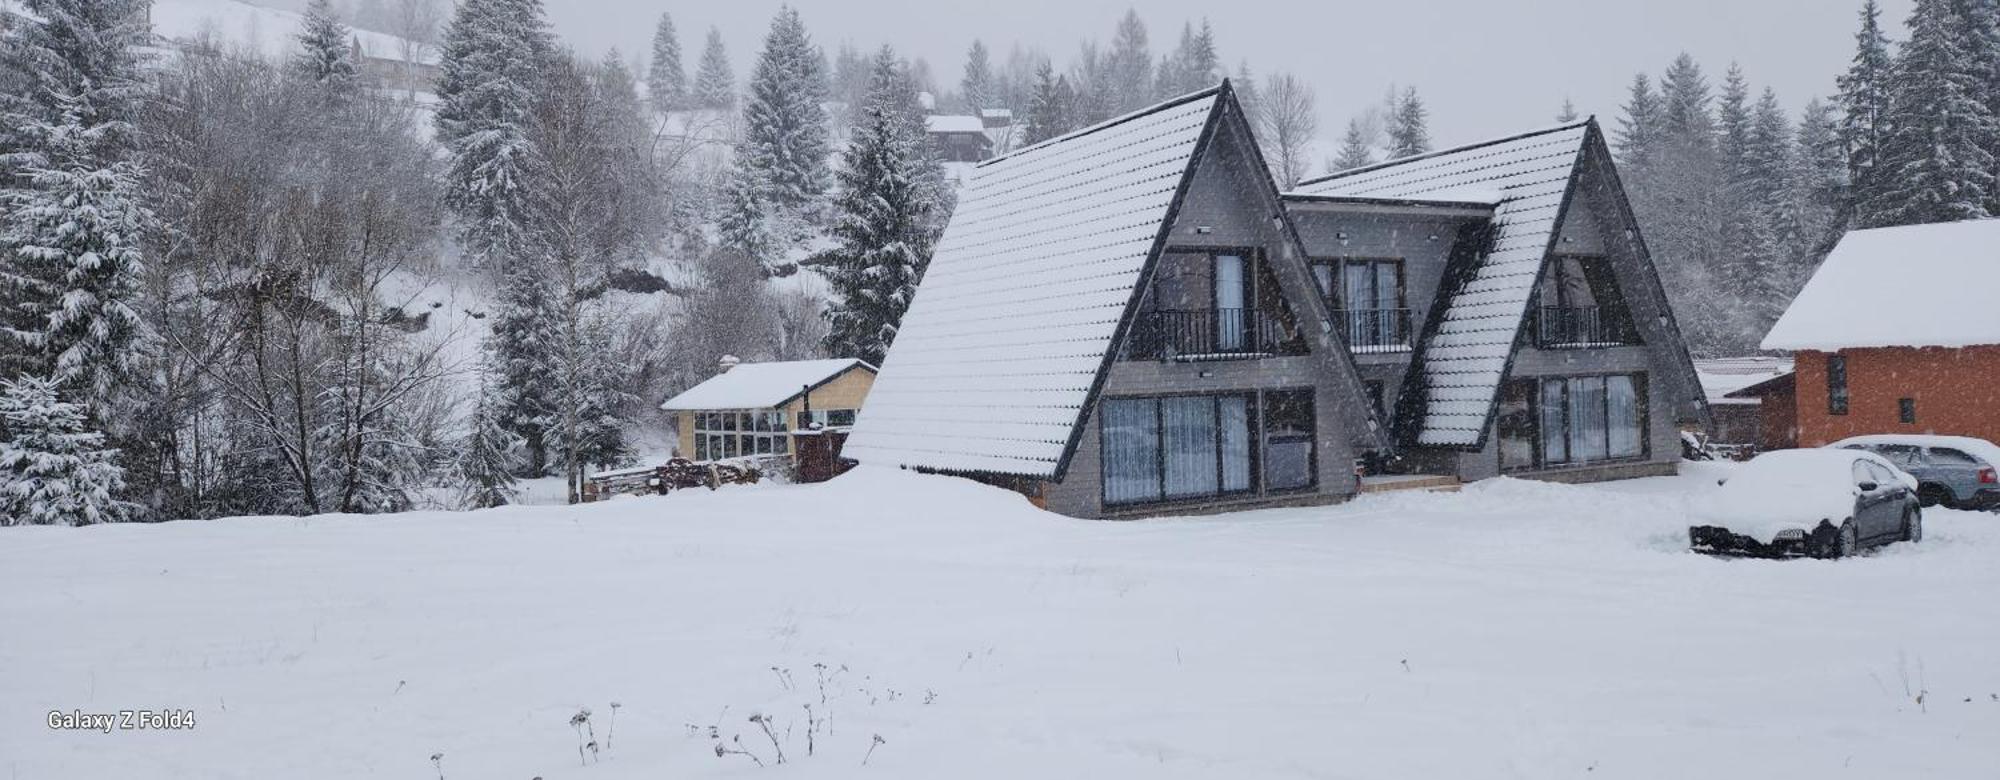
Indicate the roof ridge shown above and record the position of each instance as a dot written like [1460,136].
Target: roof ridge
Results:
[1585,122]
[1110,123]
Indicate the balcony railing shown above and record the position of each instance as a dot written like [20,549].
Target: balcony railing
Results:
[1374,330]
[1164,334]
[1582,326]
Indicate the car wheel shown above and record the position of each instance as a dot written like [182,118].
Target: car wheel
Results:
[1848,542]
[1933,495]
[1913,525]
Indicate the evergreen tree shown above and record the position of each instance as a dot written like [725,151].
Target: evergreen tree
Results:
[1638,129]
[525,342]
[976,88]
[1732,121]
[1129,66]
[1355,152]
[54,470]
[1815,196]
[882,234]
[786,140]
[71,242]
[1864,105]
[494,54]
[666,81]
[325,55]
[715,79]
[488,457]
[745,222]
[1936,160]
[1409,129]
[1196,64]
[1568,113]
[1049,110]
[70,57]
[592,434]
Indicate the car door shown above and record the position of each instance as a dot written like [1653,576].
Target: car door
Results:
[1870,494]
[1886,516]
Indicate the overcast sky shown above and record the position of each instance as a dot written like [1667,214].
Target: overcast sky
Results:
[1485,67]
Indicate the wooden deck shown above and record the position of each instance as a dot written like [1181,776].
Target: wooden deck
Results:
[1386,483]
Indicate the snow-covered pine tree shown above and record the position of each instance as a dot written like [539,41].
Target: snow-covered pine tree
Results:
[493,56]
[745,222]
[1638,128]
[882,242]
[54,470]
[786,142]
[1355,152]
[1864,107]
[325,55]
[1936,159]
[1129,65]
[524,341]
[1049,110]
[1409,129]
[1815,197]
[666,80]
[1732,124]
[715,78]
[591,432]
[1194,64]
[73,262]
[1568,112]
[1983,16]
[489,456]
[71,56]
[975,89]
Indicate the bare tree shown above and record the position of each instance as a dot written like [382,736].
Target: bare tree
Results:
[1286,124]
[416,22]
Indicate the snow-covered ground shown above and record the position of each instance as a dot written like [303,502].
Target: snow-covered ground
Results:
[1513,630]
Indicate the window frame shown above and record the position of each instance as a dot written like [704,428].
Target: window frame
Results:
[1906,411]
[1255,407]
[1538,405]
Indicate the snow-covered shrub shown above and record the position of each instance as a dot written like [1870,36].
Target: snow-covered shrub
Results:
[54,470]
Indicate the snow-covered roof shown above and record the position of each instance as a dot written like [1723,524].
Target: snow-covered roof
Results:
[953,123]
[269,31]
[1465,358]
[761,385]
[1016,314]
[1723,376]
[997,113]
[1913,286]
[1978,448]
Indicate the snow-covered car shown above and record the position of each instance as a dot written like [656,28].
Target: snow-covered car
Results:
[1826,503]
[1953,471]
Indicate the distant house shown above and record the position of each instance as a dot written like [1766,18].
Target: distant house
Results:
[959,139]
[760,408]
[1739,417]
[1131,320]
[1897,332]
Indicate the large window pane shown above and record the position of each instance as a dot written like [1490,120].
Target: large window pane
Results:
[1131,442]
[1587,440]
[1555,433]
[1288,440]
[1235,422]
[1628,436]
[1189,444]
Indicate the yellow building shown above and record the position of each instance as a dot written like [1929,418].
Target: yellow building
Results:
[755,408]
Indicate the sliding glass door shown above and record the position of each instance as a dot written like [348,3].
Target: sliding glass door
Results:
[1181,448]
[1573,421]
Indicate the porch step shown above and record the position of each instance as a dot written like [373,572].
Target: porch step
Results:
[1385,483]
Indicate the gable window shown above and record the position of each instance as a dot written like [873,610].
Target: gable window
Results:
[1836,384]
[1581,306]
[1571,421]
[1367,297]
[1906,410]
[1212,305]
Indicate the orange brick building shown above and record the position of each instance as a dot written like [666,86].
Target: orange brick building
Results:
[1897,332]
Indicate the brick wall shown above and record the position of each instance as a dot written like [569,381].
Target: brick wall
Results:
[1957,392]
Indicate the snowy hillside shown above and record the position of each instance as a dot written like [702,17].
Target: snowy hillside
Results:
[269,31]
[1538,630]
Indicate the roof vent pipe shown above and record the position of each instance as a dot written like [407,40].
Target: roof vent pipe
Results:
[727,362]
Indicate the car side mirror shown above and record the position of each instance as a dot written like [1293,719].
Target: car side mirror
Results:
[1868,487]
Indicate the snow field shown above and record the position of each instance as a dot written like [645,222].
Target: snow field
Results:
[1512,630]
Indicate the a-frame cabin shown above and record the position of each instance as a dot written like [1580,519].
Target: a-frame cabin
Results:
[1131,320]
